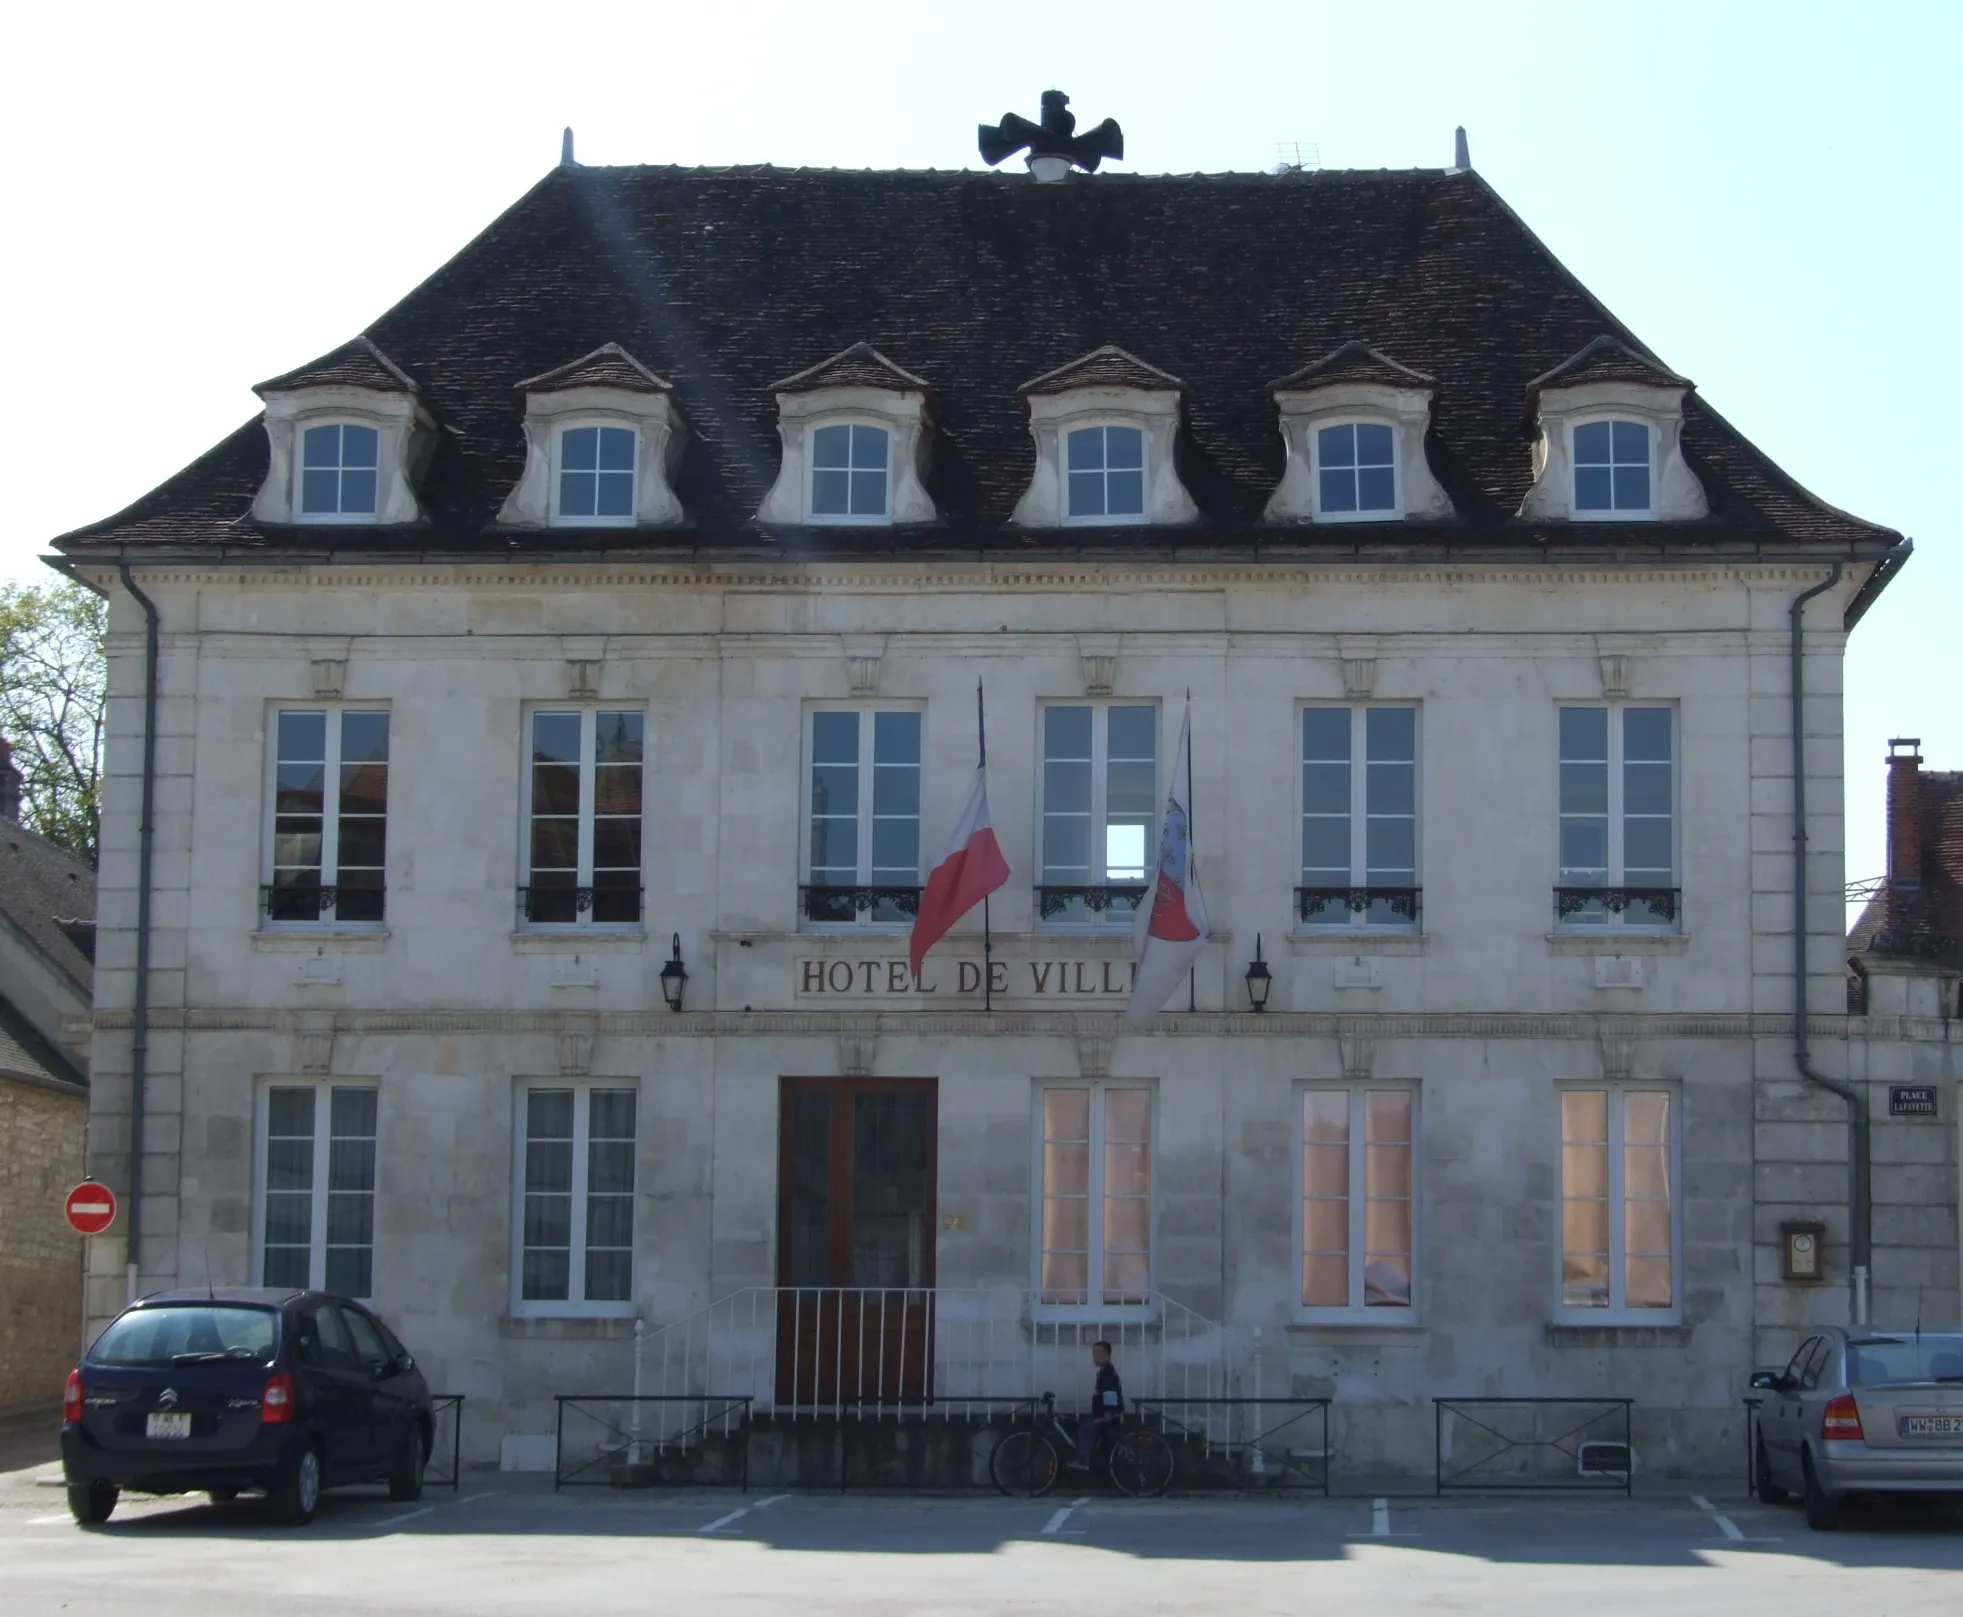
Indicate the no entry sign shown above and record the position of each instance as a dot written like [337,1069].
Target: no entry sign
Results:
[90,1208]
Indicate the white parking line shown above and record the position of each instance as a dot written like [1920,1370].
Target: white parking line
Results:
[410,1515]
[472,1498]
[49,1521]
[738,1515]
[1055,1523]
[1380,1518]
[1725,1524]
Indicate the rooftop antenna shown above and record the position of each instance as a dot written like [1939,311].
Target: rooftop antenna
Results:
[1297,157]
[1461,151]
[566,158]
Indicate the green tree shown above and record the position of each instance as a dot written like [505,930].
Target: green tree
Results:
[53,678]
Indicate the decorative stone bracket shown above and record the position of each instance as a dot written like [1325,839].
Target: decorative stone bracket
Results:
[855,1054]
[1099,654]
[863,656]
[1359,1055]
[575,1052]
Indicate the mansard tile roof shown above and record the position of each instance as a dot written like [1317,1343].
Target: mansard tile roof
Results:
[1609,359]
[1109,366]
[1353,362]
[609,365]
[354,364]
[983,279]
[861,365]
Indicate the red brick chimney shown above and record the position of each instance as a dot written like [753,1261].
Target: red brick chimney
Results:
[9,783]
[1904,831]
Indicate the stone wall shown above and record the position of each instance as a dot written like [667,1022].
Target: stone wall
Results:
[40,1256]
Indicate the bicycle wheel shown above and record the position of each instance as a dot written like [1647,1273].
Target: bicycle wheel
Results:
[1141,1464]
[1024,1464]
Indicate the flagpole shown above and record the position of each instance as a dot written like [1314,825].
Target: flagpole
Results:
[1192,847]
[988,959]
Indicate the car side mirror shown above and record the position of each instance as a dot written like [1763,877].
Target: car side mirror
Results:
[1768,1381]
[404,1363]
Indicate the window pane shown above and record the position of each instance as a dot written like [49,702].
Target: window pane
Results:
[1124,448]
[357,493]
[1338,490]
[1390,847]
[830,494]
[320,492]
[1326,790]
[302,735]
[1646,849]
[1326,849]
[1632,488]
[1584,734]
[1646,735]
[1592,488]
[869,494]
[869,449]
[321,447]
[1336,446]
[1391,734]
[1631,442]
[1373,444]
[617,737]
[1084,450]
[1647,1282]
[1067,732]
[896,738]
[1392,789]
[1325,1280]
[1066,1276]
[578,494]
[1376,490]
[358,447]
[1133,732]
[616,844]
[1387,1278]
[555,738]
[1591,444]
[1124,494]
[614,495]
[364,737]
[832,446]
[616,449]
[1086,494]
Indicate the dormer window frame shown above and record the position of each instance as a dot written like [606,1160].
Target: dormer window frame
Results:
[1102,423]
[606,388]
[1608,380]
[1612,416]
[1386,394]
[1356,418]
[902,411]
[1054,416]
[579,420]
[303,427]
[816,424]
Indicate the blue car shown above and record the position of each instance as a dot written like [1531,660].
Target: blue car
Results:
[220,1391]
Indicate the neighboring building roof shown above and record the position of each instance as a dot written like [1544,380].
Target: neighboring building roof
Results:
[1607,359]
[1930,920]
[609,365]
[24,1054]
[722,279]
[49,894]
[1109,366]
[1353,362]
[354,364]
[861,365]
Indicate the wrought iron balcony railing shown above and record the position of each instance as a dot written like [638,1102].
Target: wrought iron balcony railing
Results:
[1370,904]
[1114,899]
[601,905]
[1638,906]
[845,905]
[351,900]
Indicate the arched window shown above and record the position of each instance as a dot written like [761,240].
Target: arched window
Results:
[596,474]
[849,467]
[1105,472]
[338,463]
[1356,470]
[1612,467]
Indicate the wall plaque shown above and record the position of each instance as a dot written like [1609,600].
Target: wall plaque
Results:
[1911,1100]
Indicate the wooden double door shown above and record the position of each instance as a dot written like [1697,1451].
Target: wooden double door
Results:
[855,1239]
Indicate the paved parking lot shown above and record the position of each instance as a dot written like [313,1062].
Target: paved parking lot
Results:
[503,1544]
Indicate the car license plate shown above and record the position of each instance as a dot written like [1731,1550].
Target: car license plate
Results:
[168,1424]
[1930,1425]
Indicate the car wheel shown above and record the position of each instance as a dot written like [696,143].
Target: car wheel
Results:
[91,1502]
[406,1479]
[296,1494]
[1769,1492]
[1822,1509]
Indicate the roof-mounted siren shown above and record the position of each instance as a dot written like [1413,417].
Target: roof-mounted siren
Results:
[1461,151]
[1054,145]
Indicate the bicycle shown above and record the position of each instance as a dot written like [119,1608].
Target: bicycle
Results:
[1024,1464]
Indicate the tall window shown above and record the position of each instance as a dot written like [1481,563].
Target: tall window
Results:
[1356,1223]
[596,474]
[576,1240]
[1359,824]
[583,864]
[317,1188]
[849,464]
[1094,1240]
[1618,1200]
[863,815]
[329,835]
[1618,817]
[1611,467]
[1356,470]
[338,467]
[1105,471]
[1099,809]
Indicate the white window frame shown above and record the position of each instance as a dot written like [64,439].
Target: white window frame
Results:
[330,832]
[1094,1260]
[1359,813]
[1124,519]
[573,423]
[867,710]
[306,424]
[1322,424]
[322,1089]
[812,428]
[1100,789]
[1616,1313]
[574,1305]
[588,711]
[1355,1311]
[1647,513]
[1611,921]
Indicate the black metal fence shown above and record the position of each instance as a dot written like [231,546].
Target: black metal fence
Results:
[1573,1444]
[1245,1444]
[698,1440]
[446,1432]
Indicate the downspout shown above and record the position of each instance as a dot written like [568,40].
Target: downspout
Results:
[1859,1232]
[140,1011]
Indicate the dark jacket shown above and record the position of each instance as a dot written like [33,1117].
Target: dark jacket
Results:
[1108,1400]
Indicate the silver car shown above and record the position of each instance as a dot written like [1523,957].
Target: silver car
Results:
[1861,1411]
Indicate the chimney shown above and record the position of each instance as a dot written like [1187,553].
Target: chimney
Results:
[1461,150]
[566,158]
[1904,830]
[9,783]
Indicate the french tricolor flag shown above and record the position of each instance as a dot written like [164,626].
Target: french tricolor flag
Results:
[970,869]
[1170,930]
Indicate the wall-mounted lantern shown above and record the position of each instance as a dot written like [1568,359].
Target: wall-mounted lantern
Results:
[1259,978]
[674,976]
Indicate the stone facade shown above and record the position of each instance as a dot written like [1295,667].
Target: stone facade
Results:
[41,1130]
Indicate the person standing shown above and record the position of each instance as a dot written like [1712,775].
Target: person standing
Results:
[1107,1406]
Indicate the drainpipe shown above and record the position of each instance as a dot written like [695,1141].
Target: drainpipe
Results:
[1859,1233]
[140,1012]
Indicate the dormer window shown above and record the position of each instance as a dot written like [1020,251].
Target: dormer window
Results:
[1610,449]
[347,438]
[849,472]
[596,474]
[338,464]
[1611,468]
[1106,474]
[855,429]
[1105,427]
[602,440]
[1354,423]
[1356,470]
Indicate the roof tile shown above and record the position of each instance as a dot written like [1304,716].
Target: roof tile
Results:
[354,364]
[1109,366]
[1353,362]
[609,365]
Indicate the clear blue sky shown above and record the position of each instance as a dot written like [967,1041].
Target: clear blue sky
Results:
[199,196]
